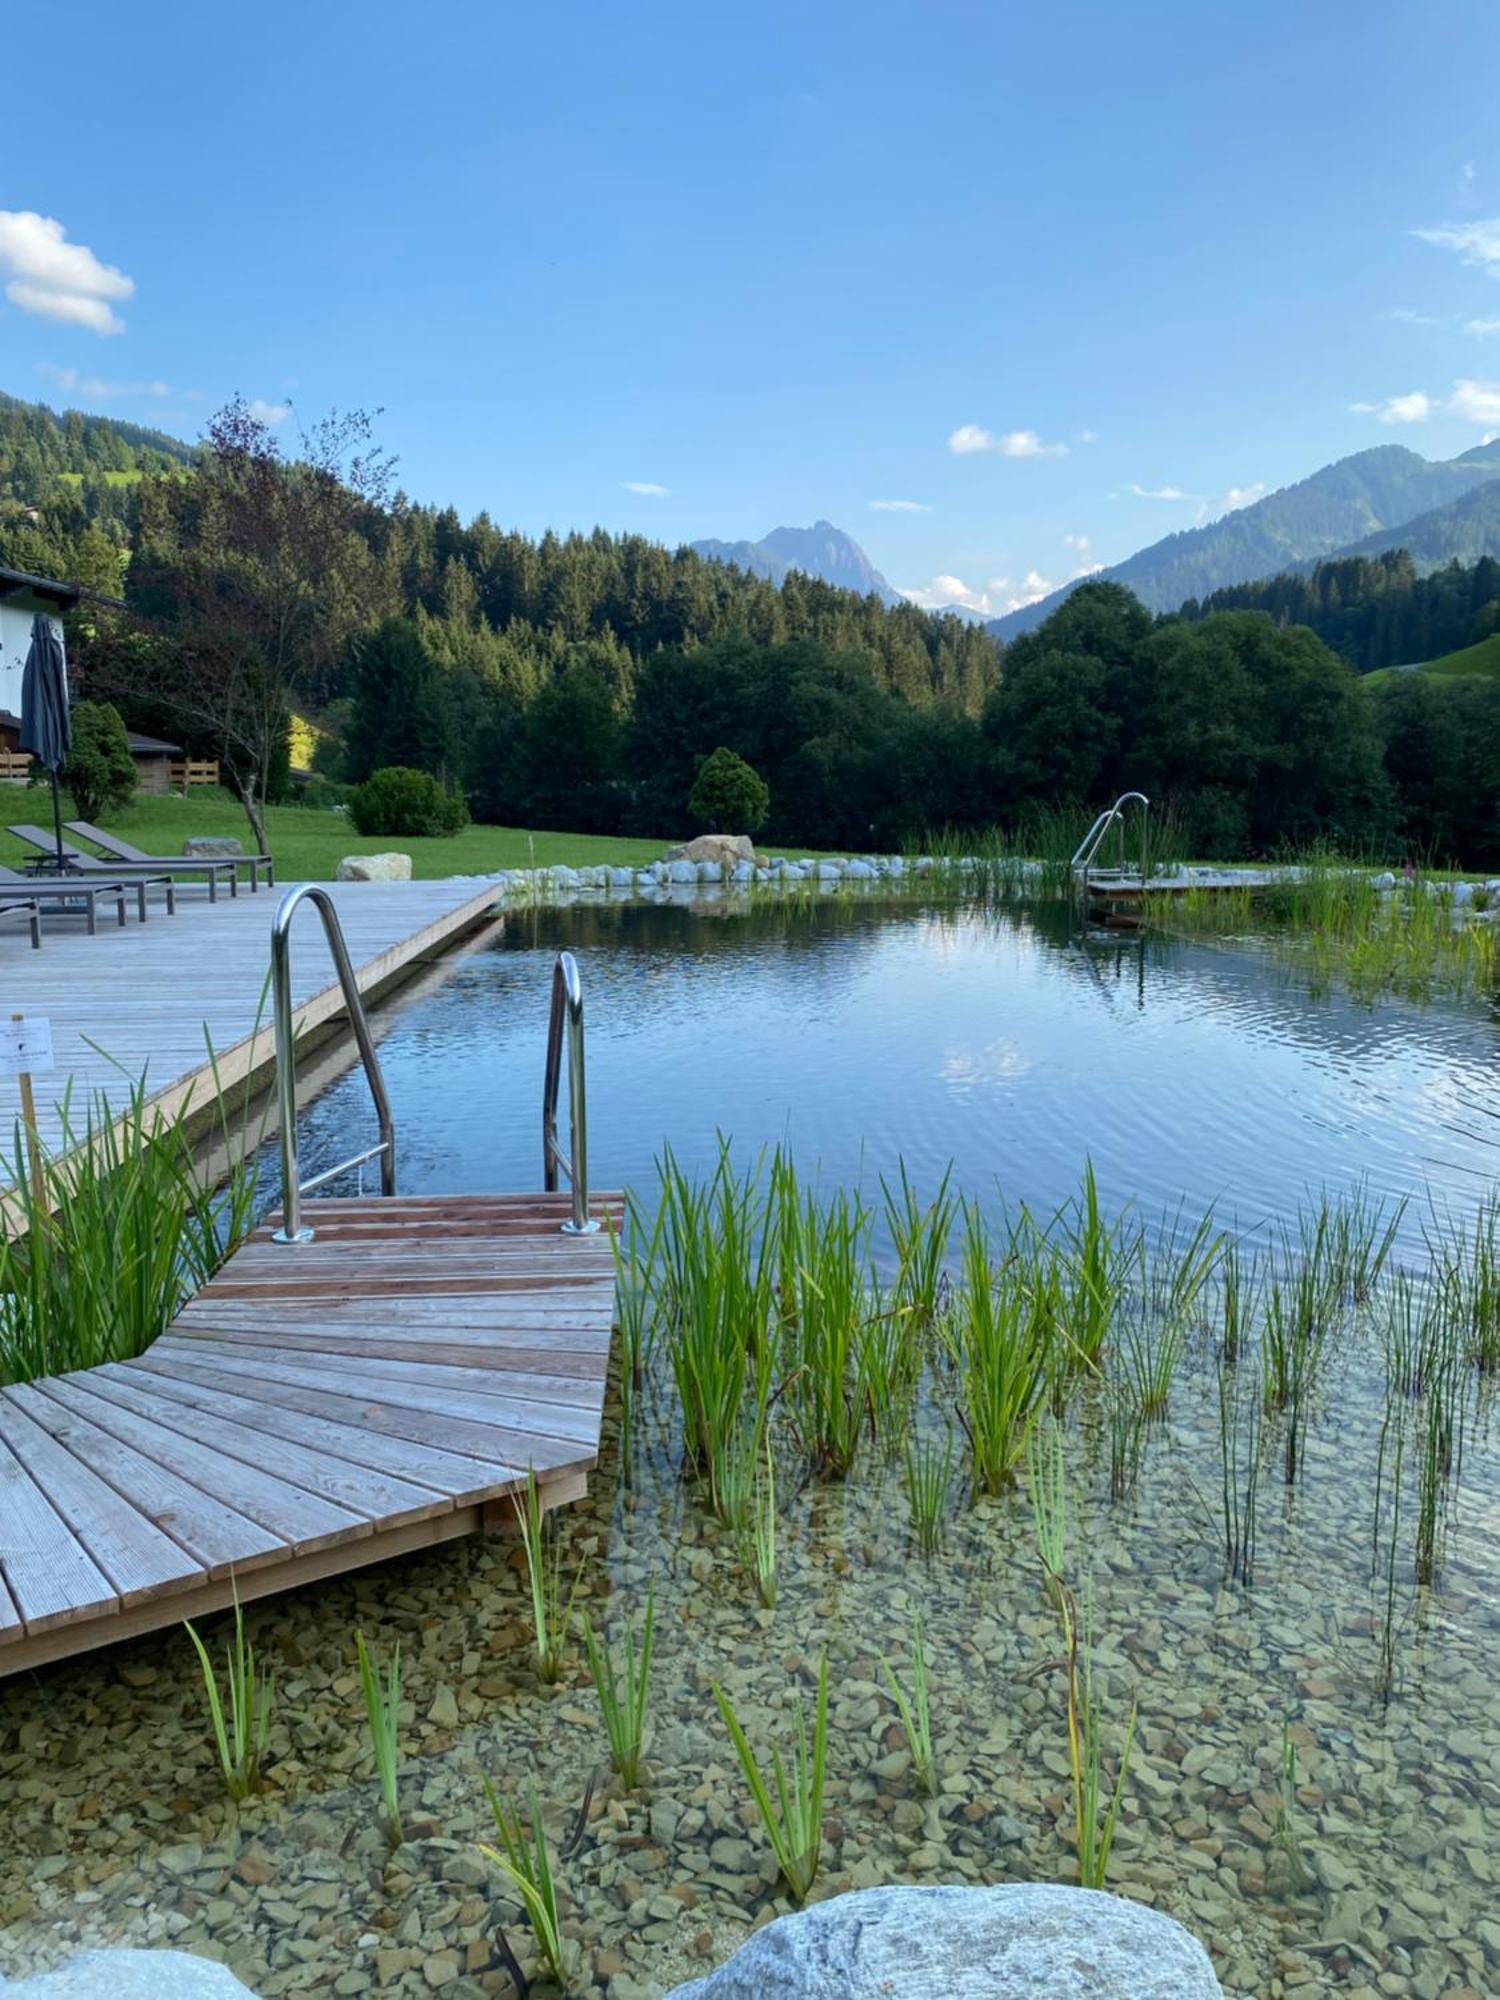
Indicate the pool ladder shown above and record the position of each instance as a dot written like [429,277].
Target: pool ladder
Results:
[1082,865]
[566,1014]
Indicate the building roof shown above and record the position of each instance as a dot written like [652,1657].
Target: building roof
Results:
[140,746]
[15,582]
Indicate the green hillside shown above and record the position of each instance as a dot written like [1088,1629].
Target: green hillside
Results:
[1481,662]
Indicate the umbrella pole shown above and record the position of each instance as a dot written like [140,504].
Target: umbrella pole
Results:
[57,821]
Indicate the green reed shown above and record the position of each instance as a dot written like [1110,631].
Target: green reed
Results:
[1145,1364]
[929,1486]
[1284,1838]
[116,1227]
[624,1690]
[241,1735]
[758,1540]
[525,1860]
[1239,1464]
[1467,1263]
[1096,1800]
[793,1816]
[1385,1538]
[829,1348]
[922,1234]
[383,1714]
[1047,1488]
[915,1710]
[551,1606]
[1099,1259]
[1006,1345]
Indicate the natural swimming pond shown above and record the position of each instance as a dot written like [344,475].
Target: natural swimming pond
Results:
[1316,1773]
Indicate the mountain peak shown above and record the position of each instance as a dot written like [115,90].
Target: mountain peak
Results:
[822,551]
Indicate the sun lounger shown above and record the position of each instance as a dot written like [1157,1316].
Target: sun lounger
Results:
[82,890]
[27,908]
[116,849]
[76,863]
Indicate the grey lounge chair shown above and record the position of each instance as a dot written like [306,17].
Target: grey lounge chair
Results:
[81,890]
[76,863]
[27,908]
[121,850]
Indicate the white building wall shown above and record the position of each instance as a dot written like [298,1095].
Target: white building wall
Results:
[16,614]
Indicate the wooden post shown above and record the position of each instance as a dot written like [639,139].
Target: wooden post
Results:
[33,1137]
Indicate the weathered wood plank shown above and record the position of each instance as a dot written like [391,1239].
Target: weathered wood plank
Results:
[46,1573]
[137,1558]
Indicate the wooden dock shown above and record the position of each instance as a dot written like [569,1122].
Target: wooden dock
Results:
[1118,898]
[313,1409]
[152,1000]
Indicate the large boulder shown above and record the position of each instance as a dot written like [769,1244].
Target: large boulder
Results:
[1017,1941]
[130,1975]
[213,846]
[724,849]
[373,868]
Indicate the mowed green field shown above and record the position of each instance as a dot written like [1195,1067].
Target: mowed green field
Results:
[308,846]
[1469,663]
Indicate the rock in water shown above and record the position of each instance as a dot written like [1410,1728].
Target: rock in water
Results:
[1017,1941]
[374,868]
[131,1975]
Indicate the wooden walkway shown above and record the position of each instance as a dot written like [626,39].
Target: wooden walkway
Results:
[313,1409]
[152,999]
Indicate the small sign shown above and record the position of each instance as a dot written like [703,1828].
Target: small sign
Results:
[26,1047]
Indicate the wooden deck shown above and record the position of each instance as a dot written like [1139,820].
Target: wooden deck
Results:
[152,999]
[378,1390]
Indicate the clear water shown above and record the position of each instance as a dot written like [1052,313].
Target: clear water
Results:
[1190,1074]
[1005,1042]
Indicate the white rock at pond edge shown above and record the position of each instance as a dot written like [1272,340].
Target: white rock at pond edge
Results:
[213,846]
[130,1975]
[1015,1941]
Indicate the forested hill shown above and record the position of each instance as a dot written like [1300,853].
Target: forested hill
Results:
[1356,505]
[1376,611]
[515,608]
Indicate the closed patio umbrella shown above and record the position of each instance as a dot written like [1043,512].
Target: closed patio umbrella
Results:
[46,729]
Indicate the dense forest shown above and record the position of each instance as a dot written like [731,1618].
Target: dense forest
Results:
[580,681]
[1375,611]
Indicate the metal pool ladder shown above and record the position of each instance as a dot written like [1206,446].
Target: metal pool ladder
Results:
[1082,865]
[293,1229]
[567,1009]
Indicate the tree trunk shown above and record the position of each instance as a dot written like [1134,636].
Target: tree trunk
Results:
[255,811]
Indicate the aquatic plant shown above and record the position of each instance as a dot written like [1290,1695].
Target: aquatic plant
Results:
[793,1818]
[383,1713]
[1468,1272]
[1384,1540]
[240,1737]
[1099,1256]
[1239,1460]
[1296,1875]
[624,1690]
[759,1540]
[1096,1802]
[1149,1350]
[551,1611]
[1047,1486]
[922,1234]
[829,1352]
[929,1482]
[112,1230]
[1003,1331]
[525,1861]
[915,1710]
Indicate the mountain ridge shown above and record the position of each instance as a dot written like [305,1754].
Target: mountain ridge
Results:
[822,551]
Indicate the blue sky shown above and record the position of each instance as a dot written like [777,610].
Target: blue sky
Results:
[779,261]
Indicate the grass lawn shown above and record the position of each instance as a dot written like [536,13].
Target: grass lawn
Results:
[308,846]
[1471,662]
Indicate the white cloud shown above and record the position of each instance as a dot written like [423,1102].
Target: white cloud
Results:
[1413,408]
[1482,329]
[999,595]
[1476,402]
[268,413]
[1409,318]
[970,438]
[898,506]
[1476,242]
[1243,496]
[1159,492]
[1087,437]
[648,488]
[65,281]
[1080,544]
[100,388]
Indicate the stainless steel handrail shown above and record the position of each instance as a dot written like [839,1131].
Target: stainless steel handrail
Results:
[1093,840]
[567,1007]
[292,1229]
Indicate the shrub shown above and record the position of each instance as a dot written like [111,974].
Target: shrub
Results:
[402,801]
[730,793]
[100,771]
